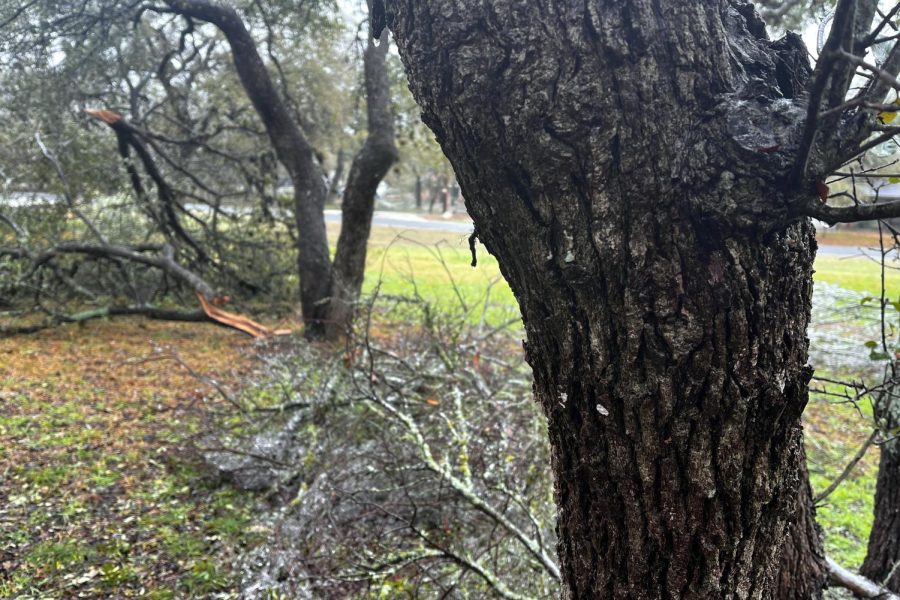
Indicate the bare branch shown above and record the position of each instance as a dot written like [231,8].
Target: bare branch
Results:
[853,214]
[165,261]
[859,585]
[847,468]
[822,75]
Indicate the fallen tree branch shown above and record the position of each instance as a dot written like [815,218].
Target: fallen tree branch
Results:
[859,585]
[128,137]
[161,314]
[164,261]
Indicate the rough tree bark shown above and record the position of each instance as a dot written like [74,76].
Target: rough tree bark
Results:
[643,171]
[369,167]
[802,570]
[883,555]
[292,148]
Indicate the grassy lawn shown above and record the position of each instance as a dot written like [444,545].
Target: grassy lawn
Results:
[93,502]
[847,236]
[858,273]
[438,269]
[834,432]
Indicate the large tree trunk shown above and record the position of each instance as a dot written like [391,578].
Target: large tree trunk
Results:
[617,157]
[293,151]
[883,555]
[369,167]
[802,569]
[674,421]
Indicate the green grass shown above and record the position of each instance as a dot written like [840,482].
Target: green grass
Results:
[438,270]
[834,432]
[857,273]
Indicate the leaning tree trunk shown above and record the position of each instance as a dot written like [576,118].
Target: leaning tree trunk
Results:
[802,569]
[293,151]
[882,563]
[622,161]
[369,167]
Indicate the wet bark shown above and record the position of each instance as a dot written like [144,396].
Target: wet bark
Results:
[293,151]
[617,159]
[802,569]
[369,167]
[883,554]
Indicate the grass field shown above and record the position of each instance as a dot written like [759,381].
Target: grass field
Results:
[94,504]
[95,501]
[858,273]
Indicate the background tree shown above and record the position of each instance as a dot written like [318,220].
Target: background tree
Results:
[319,284]
[370,165]
[177,79]
[793,14]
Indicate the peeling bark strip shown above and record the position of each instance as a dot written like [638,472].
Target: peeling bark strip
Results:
[239,322]
[609,153]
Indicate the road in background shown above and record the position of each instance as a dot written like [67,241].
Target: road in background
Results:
[420,223]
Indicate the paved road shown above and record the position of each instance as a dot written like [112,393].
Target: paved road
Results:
[848,251]
[419,223]
[407,221]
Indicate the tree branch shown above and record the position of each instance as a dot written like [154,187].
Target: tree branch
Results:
[859,585]
[847,468]
[165,261]
[162,314]
[821,76]
[853,214]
